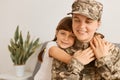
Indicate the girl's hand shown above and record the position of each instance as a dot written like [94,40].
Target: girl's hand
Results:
[85,56]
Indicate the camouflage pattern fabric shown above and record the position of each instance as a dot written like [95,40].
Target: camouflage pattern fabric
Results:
[89,8]
[106,68]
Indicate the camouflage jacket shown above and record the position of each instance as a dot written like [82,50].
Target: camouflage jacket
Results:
[106,68]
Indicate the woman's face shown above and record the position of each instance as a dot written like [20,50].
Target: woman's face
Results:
[84,28]
[65,38]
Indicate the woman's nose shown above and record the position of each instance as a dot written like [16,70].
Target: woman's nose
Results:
[82,25]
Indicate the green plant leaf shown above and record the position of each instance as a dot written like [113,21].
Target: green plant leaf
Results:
[36,42]
[21,40]
[21,49]
[16,35]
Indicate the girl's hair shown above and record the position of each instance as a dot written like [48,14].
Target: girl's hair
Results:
[64,24]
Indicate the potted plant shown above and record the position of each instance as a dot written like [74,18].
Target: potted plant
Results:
[21,49]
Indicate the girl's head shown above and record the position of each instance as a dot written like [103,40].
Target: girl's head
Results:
[64,35]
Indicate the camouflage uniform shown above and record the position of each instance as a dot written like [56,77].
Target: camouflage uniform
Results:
[60,69]
[106,68]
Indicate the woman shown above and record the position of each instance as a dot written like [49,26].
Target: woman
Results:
[96,59]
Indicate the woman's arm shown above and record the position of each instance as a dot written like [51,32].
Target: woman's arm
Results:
[109,66]
[107,59]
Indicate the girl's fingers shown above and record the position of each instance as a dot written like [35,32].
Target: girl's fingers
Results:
[92,58]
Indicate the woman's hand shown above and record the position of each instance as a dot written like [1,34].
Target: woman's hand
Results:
[100,47]
[85,56]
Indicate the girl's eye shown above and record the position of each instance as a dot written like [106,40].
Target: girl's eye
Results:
[62,33]
[71,36]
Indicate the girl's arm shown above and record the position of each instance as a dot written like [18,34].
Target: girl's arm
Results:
[59,54]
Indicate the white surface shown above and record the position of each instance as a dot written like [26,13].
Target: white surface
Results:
[14,77]
[41,17]
[20,70]
[44,72]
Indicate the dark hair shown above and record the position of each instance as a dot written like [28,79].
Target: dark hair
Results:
[64,24]
[40,56]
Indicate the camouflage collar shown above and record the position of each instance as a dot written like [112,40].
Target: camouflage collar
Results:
[84,45]
[81,45]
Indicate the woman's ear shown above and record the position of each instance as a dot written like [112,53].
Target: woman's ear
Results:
[99,24]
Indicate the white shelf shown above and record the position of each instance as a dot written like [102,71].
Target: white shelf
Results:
[14,77]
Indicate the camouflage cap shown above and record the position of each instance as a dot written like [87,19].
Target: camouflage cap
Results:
[89,8]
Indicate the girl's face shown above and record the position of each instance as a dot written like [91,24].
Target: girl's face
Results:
[84,28]
[65,38]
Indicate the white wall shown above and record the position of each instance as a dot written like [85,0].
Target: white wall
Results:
[110,20]
[40,17]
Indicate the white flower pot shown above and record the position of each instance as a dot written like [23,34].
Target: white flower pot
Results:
[20,70]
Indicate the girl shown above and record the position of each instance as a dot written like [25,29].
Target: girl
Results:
[64,38]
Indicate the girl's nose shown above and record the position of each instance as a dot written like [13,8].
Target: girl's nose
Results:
[66,37]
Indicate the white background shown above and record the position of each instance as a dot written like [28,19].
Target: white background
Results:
[41,17]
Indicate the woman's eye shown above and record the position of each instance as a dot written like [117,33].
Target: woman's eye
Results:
[77,20]
[89,21]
